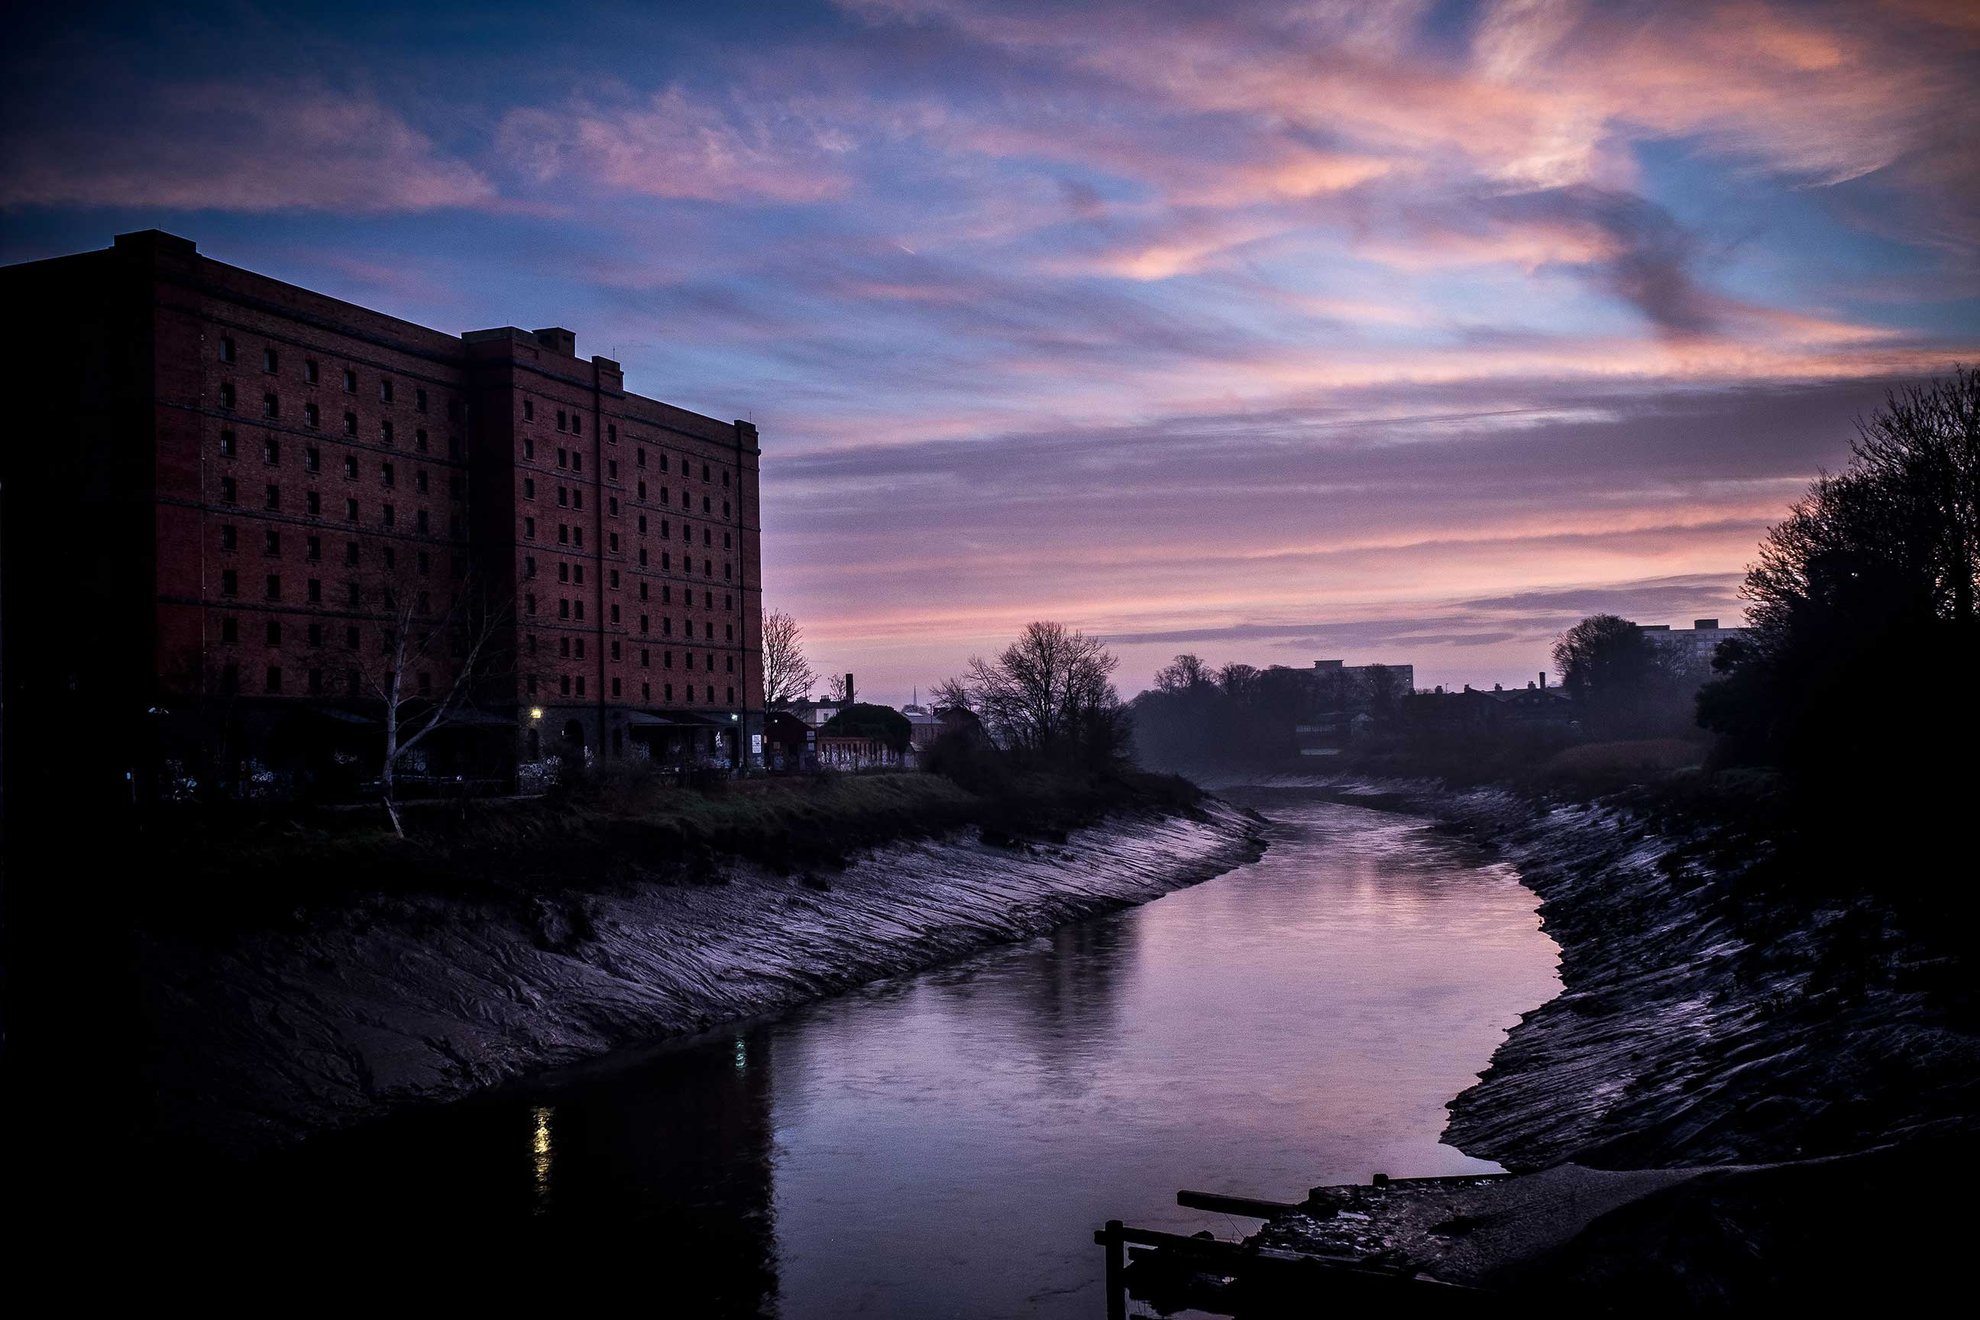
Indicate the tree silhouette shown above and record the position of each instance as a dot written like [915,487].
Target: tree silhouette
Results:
[1862,610]
[1048,694]
[787,674]
[1612,669]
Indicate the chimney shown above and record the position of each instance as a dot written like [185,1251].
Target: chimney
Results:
[1708,624]
[849,689]
[1543,678]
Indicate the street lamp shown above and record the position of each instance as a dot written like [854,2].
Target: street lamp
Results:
[536,712]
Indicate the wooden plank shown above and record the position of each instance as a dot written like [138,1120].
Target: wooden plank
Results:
[1218,1203]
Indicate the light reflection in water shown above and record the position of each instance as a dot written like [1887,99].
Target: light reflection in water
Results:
[539,1147]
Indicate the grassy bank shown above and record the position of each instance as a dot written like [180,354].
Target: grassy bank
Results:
[255,867]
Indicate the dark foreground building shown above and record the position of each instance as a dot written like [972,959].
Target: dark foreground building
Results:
[225,498]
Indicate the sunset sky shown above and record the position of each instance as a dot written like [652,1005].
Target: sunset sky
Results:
[1399,332]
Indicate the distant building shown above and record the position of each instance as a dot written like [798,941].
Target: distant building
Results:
[925,725]
[1335,702]
[1538,706]
[1690,650]
[815,714]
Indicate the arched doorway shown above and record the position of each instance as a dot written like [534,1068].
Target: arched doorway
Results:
[574,734]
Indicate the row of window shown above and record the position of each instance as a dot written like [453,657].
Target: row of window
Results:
[573,686]
[567,684]
[572,421]
[388,474]
[230,587]
[271,544]
[388,513]
[572,648]
[573,460]
[572,609]
[272,681]
[230,634]
[271,363]
[271,445]
[574,574]
[271,409]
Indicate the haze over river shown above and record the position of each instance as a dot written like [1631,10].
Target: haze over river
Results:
[944,1144]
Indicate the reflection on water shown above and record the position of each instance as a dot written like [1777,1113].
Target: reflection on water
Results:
[539,1149]
[944,1144]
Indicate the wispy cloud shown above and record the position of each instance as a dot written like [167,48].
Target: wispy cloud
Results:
[674,145]
[245,147]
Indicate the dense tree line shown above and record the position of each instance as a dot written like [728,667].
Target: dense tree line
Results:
[1199,717]
[1854,681]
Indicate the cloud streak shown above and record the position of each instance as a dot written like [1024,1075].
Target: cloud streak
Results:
[245,148]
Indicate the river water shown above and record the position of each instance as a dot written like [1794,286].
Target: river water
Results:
[944,1144]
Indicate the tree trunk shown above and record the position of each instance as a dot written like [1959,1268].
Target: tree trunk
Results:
[392,742]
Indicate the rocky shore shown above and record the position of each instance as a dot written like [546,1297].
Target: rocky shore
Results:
[419,998]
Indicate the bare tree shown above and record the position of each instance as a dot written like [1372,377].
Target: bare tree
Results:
[838,689]
[1238,680]
[950,694]
[1187,674]
[787,675]
[1048,691]
[418,636]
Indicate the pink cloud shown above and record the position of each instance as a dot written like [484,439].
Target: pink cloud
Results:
[678,147]
[241,147]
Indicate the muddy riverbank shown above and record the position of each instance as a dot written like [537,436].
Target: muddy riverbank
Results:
[1743,1093]
[409,999]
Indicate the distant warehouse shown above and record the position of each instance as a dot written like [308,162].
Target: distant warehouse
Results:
[208,467]
[1689,651]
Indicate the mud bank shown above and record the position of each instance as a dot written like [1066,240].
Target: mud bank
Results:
[398,1001]
[1735,1077]
[1707,1016]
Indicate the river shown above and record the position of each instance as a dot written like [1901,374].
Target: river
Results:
[944,1144]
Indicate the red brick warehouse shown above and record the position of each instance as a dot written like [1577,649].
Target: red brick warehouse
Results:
[212,465]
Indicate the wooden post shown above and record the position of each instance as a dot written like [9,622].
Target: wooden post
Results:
[1116,1268]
